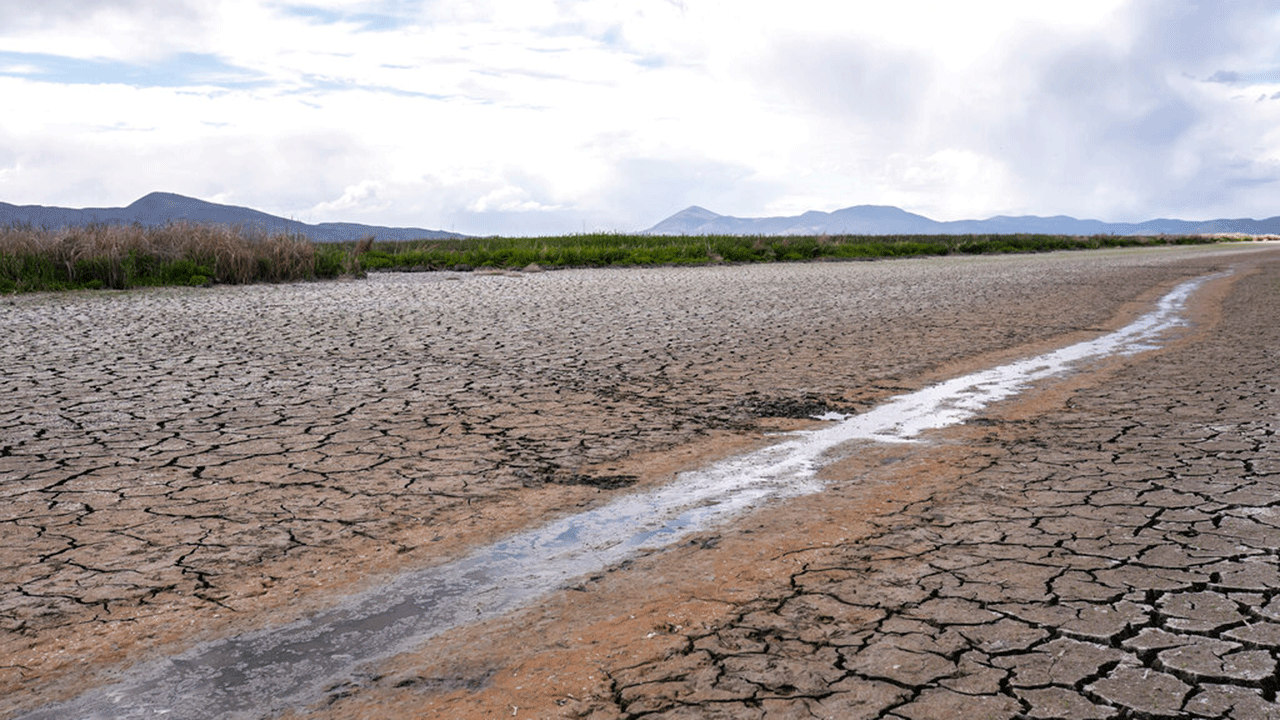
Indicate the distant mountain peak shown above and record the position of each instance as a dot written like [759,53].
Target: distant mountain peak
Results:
[158,196]
[892,220]
[684,221]
[167,199]
[891,210]
[697,211]
[161,208]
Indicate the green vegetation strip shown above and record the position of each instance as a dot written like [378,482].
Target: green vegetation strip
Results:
[114,256]
[601,250]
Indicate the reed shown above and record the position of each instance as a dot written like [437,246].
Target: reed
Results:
[116,256]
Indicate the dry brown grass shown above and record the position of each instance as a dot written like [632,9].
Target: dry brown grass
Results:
[121,256]
[353,260]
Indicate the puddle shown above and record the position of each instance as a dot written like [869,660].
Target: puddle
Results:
[267,671]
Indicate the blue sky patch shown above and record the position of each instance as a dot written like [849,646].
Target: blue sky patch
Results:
[368,22]
[182,70]
[1256,77]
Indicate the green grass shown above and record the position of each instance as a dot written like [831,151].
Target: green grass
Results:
[601,250]
[112,256]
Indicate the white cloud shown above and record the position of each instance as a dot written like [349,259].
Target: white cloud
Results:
[948,183]
[508,198]
[132,30]
[361,197]
[524,115]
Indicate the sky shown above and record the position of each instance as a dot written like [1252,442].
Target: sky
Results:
[532,117]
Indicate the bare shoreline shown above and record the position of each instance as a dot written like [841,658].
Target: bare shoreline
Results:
[234,458]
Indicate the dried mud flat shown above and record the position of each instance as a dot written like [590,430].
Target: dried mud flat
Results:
[185,465]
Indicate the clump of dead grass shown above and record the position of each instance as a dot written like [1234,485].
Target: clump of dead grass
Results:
[117,256]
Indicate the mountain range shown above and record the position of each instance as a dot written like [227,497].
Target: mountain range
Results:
[159,208]
[889,220]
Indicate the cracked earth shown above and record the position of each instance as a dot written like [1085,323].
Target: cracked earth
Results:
[181,465]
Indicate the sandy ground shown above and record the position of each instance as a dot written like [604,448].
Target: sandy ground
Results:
[179,465]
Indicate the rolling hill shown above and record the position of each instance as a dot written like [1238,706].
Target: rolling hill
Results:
[160,208]
[889,220]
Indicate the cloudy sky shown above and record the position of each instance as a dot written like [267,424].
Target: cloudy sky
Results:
[547,116]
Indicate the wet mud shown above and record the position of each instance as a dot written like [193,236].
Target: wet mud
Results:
[310,441]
